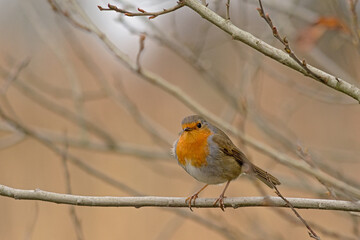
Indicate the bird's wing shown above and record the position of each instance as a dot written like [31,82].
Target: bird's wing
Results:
[228,148]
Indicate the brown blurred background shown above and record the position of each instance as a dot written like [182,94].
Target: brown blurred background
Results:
[49,63]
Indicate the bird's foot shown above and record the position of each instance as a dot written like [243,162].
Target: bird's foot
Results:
[220,200]
[191,199]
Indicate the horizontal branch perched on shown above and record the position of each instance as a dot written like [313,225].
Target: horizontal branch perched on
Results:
[152,201]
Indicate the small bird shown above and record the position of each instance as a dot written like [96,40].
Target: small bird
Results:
[208,154]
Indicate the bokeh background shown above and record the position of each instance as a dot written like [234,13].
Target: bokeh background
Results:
[57,78]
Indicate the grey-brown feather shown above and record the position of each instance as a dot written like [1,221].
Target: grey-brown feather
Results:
[265,177]
[231,150]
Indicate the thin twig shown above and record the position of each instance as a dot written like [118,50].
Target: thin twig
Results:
[160,135]
[141,48]
[62,111]
[56,8]
[141,12]
[305,155]
[74,217]
[14,75]
[48,88]
[285,42]
[228,10]
[311,232]
[123,148]
[11,77]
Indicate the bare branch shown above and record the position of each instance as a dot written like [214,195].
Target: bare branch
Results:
[56,8]
[141,11]
[274,53]
[160,135]
[73,159]
[285,42]
[122,148]
[152,201]
[62,111]
[11,77]
[14,75]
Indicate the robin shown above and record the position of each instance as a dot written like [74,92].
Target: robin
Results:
[208,154]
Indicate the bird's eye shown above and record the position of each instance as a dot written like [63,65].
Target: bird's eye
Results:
[199,125]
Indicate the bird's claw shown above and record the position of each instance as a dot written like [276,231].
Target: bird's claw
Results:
[220,200]
[191,199]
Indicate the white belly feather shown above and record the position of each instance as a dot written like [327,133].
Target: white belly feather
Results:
[203,174]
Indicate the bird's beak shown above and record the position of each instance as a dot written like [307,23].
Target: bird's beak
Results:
[187,129]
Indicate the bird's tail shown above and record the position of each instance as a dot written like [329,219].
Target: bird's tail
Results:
[264,176]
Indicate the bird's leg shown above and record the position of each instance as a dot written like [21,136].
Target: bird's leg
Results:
[220,200]
[194,196]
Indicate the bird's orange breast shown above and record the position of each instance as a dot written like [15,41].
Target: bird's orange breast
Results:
[193,147]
